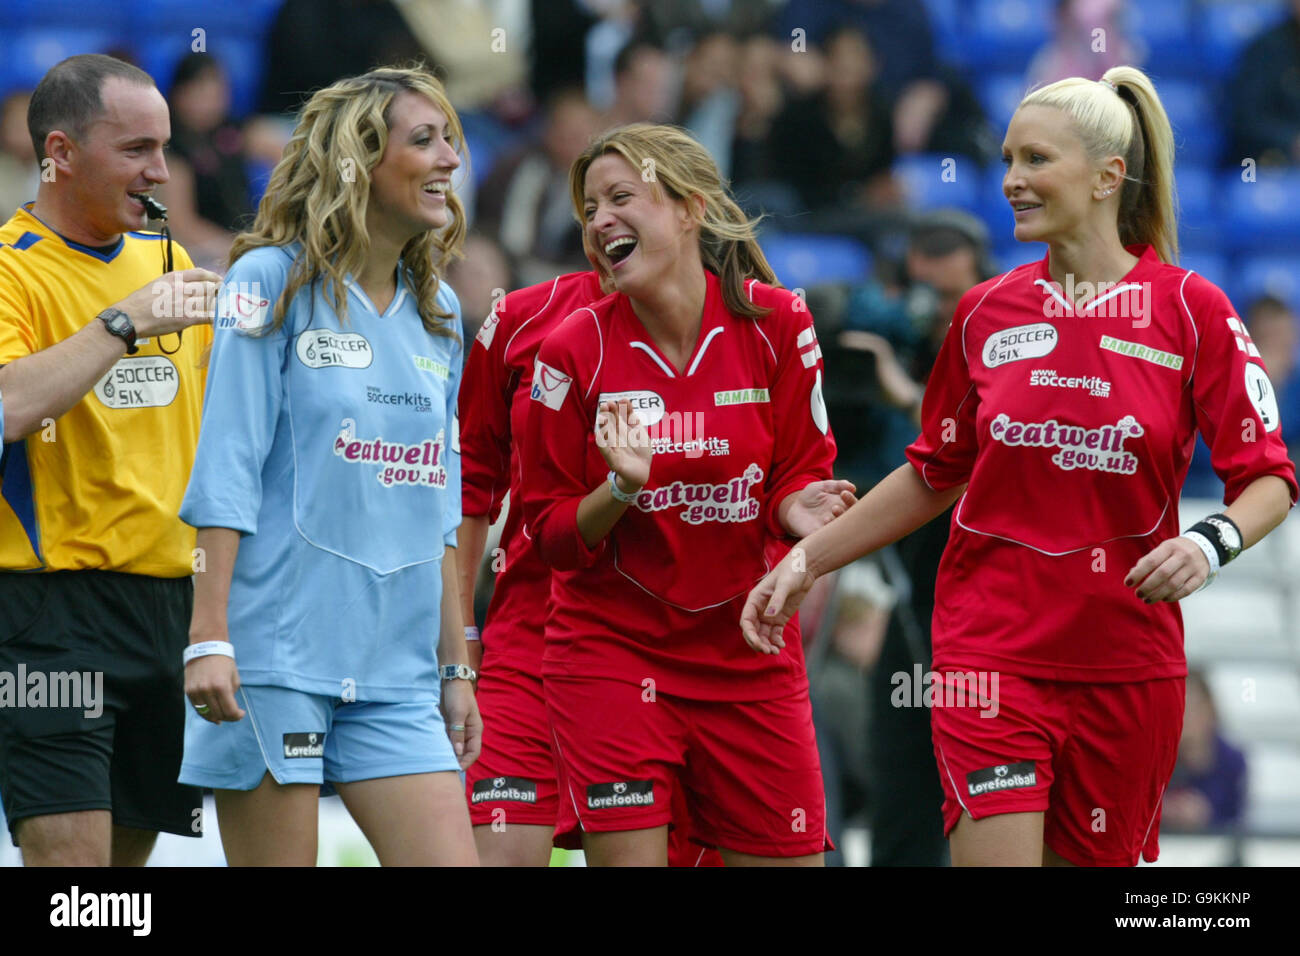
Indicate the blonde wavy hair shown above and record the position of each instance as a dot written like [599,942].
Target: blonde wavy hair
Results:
[319,191]
[1129,121]
[683,168]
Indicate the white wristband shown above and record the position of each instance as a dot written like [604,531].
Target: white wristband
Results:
[1211,554]
[471,633]
[207,648]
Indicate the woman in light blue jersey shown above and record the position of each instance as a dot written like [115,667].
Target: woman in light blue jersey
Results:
[325,490]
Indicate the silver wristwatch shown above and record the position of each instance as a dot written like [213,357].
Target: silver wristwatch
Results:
[457,672]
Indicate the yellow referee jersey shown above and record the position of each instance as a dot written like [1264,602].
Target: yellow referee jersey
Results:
[101,486]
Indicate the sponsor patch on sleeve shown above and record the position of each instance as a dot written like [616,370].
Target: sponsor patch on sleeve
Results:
[1262,396]
[550,385]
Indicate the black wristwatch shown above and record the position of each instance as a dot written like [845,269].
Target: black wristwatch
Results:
[119,323]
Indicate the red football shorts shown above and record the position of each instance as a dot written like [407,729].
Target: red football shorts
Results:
[515,779]
[749,772]
[1094,758]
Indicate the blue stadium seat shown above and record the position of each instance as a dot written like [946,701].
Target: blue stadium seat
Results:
[1213,267]
[246,17]
[1198,218]
[26,55]
[35,14]
[948,23]
[1226,28]
[1260,214]
[994,207]
[1167,29]
[1018,253]
[1267,275]
[801,261]
[1008,32]
[1000,94]
[1197,135]
[930,180]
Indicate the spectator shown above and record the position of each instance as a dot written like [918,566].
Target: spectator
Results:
[909,77]
[1267,126]
[19,172]
[645,86]
[947,255]
[208,194]
[1275,329]
[761,100]
[1208,788]
[315,42]
[836,146]
[893,336]
[838,665]
[525,203]
[1074,49]
[710,100]
[99,504]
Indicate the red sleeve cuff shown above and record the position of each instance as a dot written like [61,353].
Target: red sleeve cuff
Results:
[560,541]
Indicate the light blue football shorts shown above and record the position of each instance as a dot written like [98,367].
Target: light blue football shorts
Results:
[312,738]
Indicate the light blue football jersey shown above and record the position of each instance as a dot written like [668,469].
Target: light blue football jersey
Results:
[334,450]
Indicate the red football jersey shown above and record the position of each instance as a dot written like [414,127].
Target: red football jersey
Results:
[493,406]
[735,433]
[1074,429]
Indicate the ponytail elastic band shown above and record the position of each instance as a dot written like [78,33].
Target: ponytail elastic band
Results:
[1110,84]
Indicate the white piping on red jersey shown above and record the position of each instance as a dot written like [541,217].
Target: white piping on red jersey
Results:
[595,376]
[1048,287]
[549,299]
[1056,554]
[700,354]
[1196,351]
[657,360]
[671,373]
[749,291]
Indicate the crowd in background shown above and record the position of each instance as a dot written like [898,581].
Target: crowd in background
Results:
[810,107]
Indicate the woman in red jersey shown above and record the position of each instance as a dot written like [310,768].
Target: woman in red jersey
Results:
[676,437]
[513,788]
[1062,412]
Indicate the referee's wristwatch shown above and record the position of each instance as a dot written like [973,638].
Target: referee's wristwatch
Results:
[457,672]
[119,323]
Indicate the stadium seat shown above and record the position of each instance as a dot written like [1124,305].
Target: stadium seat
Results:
[1008,32]
[1166,29]
[1198,218]
[1259,214]
[948,23]
[994,207]
[1213,267]
[1227,28]
[1018,253]
[1196,132]
[1000,94]
[247,17]
[930,180]
[1267,275]
[53,14]
[806,259]
[26,55]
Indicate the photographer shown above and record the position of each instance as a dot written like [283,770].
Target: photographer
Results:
[896,334]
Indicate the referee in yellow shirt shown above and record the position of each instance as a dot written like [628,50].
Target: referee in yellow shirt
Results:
[101,419]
